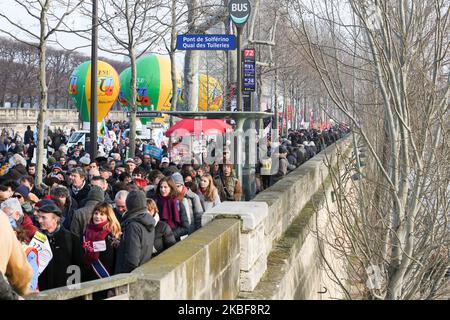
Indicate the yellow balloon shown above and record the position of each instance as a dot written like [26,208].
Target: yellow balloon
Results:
[210,93]
[107,89]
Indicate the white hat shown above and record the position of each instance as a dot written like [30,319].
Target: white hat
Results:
[306,143]
[86,159]
[165,160]
[312,144]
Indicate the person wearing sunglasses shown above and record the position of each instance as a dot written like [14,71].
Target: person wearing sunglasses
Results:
[22,193]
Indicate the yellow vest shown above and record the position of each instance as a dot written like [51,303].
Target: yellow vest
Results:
[266,166]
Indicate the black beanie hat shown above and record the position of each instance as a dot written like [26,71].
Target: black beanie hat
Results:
[136,201]
[97,194]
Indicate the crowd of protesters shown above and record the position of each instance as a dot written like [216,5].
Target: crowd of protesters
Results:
[111,214]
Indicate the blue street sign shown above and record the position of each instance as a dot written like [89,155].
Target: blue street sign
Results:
[206,42]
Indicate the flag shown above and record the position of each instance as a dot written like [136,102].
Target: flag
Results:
[311,119]
[103,132]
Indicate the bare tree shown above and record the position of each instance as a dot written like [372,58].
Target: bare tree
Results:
[49,15]
[201,17]
[130,29]
[387,70]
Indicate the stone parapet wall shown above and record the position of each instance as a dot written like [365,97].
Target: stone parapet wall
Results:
[203,266]
[280,257]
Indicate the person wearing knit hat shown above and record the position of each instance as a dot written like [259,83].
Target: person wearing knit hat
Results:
[51,161]
[21,193]
[82,215]
[138,227]
[85,160]
[178,178]
[44,202]
[191,202]
[57,167]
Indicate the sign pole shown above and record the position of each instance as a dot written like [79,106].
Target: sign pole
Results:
[239,71]
[239,14]
[93,140]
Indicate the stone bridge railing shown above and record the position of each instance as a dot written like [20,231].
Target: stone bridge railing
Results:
[18,119]
[263,249]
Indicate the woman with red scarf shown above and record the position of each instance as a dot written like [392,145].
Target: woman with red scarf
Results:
[171,210]
[100,242]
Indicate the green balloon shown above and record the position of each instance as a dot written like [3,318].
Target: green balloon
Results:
[153,85]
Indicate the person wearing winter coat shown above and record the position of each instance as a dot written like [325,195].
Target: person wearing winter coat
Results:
[79,188]
[229,187]
[66,203]
[209,197]
[66,248]
[28,136]
[82,215]
[171,210]
[17,168]
[13,262]
[164,237]
[191,202]
[301,154]
[138,234]
[100,242]
[282,168]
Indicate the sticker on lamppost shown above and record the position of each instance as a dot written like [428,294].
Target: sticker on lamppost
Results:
[239,11]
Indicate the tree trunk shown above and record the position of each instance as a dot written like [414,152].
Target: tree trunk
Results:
[173,67]
[42,116]
[191,62]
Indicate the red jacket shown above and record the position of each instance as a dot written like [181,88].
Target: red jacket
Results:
[27,225]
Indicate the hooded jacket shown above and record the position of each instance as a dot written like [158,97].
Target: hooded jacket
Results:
[138,234]
[195,210]
[82,216]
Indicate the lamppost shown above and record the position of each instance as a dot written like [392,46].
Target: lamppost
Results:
[94,111]
[239,14]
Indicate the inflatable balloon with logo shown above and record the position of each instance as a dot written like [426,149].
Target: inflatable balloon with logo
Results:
[153,85]
[108,85]
[210,93]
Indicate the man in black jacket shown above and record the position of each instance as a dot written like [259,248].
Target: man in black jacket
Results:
[66,249]
[79,187]
[28,136]
[138,227]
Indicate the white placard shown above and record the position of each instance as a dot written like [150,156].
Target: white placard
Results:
[42,245]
